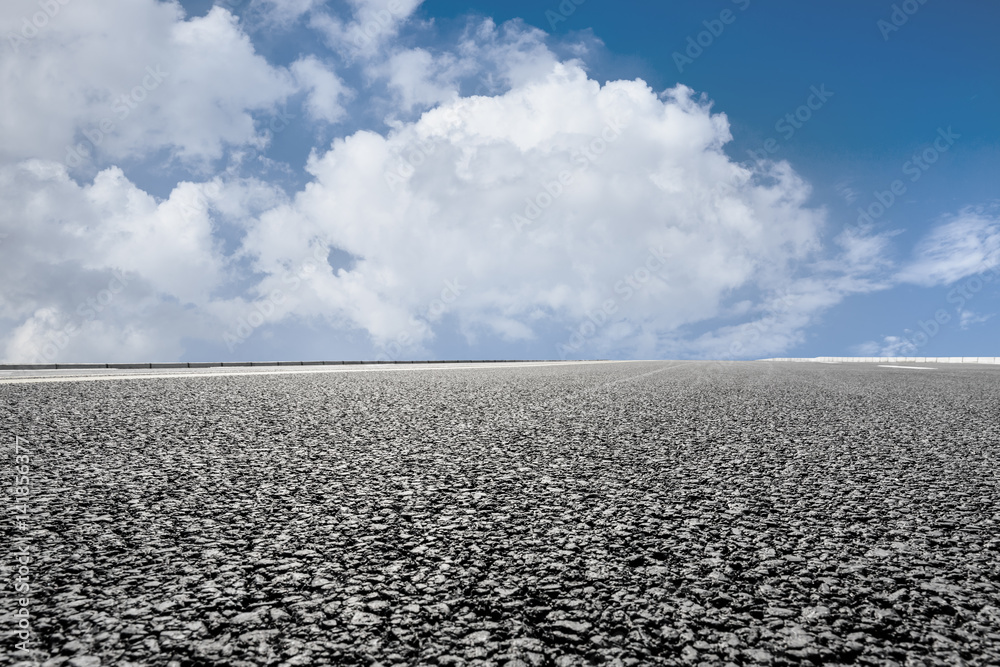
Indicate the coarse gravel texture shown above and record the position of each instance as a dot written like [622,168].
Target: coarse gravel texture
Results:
[628,514]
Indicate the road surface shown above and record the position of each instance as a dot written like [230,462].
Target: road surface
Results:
[564,514]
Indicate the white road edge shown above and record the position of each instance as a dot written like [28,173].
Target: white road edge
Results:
[139,374]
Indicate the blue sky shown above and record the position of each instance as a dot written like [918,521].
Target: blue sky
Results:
[734,179]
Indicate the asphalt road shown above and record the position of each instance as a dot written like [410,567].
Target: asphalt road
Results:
[625,514]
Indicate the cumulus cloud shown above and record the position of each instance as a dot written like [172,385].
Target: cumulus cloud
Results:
[132,78]
[326,91]
[105,271]
[558,202]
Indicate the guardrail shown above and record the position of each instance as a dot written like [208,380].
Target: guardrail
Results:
[894,360]
[255,364]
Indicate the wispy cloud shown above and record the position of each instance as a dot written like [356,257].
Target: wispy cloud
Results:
[968,318]
[963,245]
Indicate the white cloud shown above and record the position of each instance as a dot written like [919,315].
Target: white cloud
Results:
[867,349]
[283,12]
[129,275]
[896,346]
[453,198]
[508,56]
[966,245]
[863,250]
[326,90]
[889,346]
[847,191]
[128,78]
[968,318]
[421,80]
[780,319]
[372,24]
[486,60]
